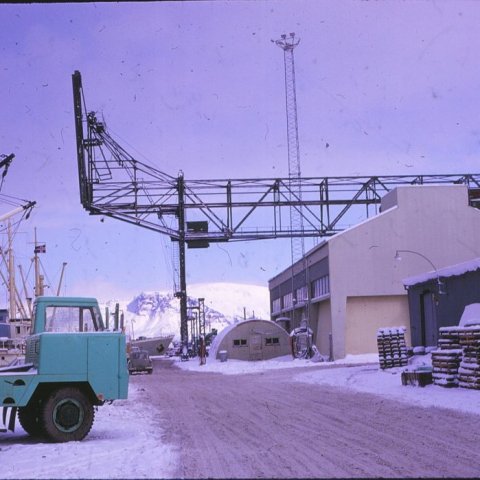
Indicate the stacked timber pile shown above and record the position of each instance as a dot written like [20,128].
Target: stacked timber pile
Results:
[469,370]
[392,349]
[445,364]
[446,359]
[449,338]
[457,360]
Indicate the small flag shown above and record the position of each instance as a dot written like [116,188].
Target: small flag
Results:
[40,249]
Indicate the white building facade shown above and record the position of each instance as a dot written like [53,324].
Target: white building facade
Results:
[354,281]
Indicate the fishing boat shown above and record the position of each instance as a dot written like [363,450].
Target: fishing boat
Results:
[16,320]
[154,345]
[10,352]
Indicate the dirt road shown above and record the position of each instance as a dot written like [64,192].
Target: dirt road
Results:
[265,425]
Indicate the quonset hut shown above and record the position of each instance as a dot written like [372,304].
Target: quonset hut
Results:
[252,340]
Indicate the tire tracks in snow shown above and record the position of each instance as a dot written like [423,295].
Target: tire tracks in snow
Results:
[266,425]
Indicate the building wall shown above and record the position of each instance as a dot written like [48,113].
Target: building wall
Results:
[367,314]
[426,219]
[322,327]
[434,220]
[283,283]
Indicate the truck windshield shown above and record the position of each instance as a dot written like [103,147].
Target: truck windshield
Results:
[66,319]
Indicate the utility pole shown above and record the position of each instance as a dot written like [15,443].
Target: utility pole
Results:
[182,292]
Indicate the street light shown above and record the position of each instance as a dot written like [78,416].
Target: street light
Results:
[440,284]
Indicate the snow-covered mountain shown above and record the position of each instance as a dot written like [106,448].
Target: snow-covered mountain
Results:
[151,314]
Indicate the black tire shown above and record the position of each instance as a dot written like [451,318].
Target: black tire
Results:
[29,418]
[67,415]
[150,371]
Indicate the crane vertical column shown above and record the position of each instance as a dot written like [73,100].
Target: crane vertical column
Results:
[182,292]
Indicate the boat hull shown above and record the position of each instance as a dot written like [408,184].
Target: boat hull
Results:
[155,345]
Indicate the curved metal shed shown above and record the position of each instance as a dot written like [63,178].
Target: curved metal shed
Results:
[252,340]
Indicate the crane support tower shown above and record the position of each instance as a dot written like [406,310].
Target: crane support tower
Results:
[113,183]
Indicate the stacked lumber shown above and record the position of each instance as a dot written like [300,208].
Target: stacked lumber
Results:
[457,360]
[469,369]
[392,349]
[449,338]
[445,364]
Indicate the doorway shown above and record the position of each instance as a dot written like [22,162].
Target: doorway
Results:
[428,319]
[255,346]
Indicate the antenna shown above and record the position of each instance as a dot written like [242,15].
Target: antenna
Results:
[297,243]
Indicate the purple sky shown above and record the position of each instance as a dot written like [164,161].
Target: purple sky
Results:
[392,87]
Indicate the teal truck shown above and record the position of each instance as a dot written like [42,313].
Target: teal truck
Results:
[72,365]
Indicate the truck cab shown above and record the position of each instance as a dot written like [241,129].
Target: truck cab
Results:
[71,365]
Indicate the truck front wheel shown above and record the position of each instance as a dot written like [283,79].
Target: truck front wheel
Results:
[29,418]
[67,415]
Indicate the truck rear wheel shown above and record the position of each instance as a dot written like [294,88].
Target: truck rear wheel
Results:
[67,415]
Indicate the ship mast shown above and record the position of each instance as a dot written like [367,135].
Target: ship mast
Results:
[11,274]
[39,285]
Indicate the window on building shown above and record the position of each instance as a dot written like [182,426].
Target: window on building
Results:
[288,300]
[240,342]
[301,294]
[277,305]
[272,341]
[321,286]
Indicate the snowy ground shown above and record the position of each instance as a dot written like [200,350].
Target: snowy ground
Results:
[123,443]
[366,377]
[126,442]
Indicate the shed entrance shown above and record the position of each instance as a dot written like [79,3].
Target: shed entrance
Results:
[255,347]
[428,319]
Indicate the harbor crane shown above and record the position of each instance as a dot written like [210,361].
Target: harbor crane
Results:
[196,213]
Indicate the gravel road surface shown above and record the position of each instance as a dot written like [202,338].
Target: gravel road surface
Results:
[266,425]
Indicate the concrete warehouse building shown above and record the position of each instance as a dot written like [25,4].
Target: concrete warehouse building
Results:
[252,340]
[354,280]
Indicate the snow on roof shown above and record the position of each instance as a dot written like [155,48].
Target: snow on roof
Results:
[452,271]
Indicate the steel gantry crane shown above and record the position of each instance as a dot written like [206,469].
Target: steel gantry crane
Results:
[195,213]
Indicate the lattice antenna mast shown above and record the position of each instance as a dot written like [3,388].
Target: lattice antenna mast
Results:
[288,44]
[297,242]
